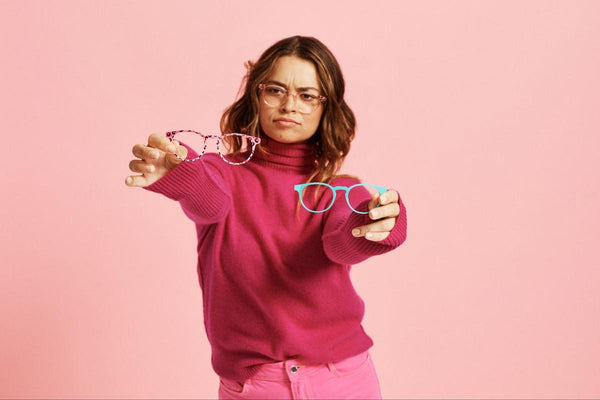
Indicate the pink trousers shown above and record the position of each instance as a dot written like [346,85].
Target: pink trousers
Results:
[352,378]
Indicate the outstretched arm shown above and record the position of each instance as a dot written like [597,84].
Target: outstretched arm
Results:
[199,186]
[389,229]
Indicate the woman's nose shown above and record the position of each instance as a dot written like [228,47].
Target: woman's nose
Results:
[289,103]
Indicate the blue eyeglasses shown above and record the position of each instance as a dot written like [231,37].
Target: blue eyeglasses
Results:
[311,189]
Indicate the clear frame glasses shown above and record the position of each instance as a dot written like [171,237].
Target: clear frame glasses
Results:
[238,143]
[306,102]
[353,197]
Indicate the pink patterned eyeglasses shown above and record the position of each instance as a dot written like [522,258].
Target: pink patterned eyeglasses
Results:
[238,143]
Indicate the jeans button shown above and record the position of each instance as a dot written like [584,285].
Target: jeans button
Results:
[294,369]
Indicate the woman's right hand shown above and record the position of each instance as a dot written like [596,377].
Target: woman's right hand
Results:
[156,159]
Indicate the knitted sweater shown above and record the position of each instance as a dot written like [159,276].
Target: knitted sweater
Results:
[275,278]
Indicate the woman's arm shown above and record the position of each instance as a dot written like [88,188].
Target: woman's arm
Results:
[341,246]
[199,186]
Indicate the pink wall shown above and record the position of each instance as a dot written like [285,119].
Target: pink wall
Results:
[483,114]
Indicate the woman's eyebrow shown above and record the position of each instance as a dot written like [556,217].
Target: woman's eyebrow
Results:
[285,86]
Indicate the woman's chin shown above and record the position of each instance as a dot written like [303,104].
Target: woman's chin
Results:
[288,139]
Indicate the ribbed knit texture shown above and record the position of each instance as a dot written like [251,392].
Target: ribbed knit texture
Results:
[275,279]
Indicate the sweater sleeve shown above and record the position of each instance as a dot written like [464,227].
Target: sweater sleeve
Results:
[200,188]
[341,246]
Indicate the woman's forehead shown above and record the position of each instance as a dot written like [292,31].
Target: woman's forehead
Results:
[294,72]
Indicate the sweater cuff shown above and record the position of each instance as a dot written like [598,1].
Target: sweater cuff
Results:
[345,248]
[203,194]
[397,235]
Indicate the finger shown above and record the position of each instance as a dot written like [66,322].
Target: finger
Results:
[179,150]
[161,142]
[391,196]
[385,225]
[140,166]
[390,210]
[145,152]
[376,236]
[179,155]
[136,180]
[374,200]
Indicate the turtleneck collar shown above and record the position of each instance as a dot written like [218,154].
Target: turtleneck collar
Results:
[297,157]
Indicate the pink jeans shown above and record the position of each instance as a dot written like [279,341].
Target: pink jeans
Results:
[352,378]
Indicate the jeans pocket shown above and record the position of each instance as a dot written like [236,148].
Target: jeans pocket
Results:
[232,385]
[350,365]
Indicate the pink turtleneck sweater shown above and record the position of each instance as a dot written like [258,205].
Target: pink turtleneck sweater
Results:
[275,280]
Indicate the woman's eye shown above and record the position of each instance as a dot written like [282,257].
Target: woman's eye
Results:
[272,89]
[306,96]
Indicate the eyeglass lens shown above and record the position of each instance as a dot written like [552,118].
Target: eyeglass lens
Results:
[226,145]
[306,101]
[324,194]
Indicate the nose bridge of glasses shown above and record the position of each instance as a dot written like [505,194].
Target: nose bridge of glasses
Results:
[217,137]
[287,95]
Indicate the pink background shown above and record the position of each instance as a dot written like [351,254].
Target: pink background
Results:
[483,114]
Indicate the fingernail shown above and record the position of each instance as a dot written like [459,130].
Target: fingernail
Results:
[129,179]
[355,232]
[373,214]
[171,147]
[369,235]
[382,199]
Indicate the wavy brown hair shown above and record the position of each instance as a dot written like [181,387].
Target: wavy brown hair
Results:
[331,141]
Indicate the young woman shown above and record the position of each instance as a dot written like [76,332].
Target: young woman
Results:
[280,311]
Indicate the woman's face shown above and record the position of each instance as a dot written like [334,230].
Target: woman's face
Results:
[292,73]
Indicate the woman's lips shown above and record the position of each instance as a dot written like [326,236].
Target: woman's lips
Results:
[282,122]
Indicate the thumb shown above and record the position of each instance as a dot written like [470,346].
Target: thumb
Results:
[180,151]
[374,200]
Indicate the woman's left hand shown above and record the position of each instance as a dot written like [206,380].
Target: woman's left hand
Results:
[385,215]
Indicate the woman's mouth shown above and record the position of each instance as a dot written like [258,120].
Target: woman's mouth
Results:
[285,123]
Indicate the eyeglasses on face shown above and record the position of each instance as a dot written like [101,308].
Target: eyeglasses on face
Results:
[353,196]
[306,102]
[232,140]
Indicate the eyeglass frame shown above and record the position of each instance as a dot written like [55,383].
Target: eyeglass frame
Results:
[253,139]
[287,92]
[300,188]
